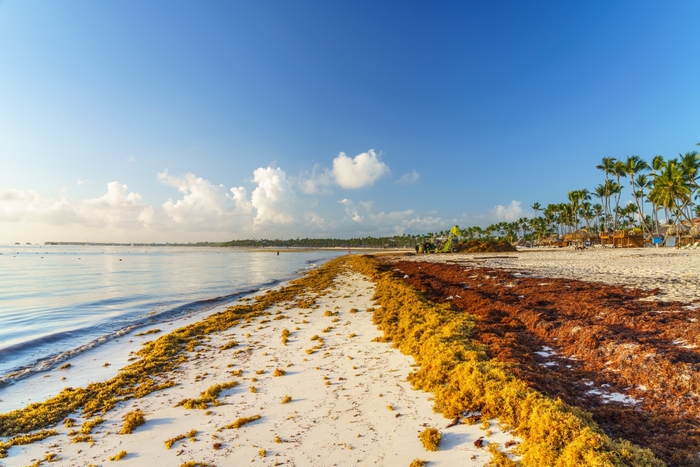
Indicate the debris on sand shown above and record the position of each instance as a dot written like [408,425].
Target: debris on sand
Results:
[485,246]
[633,364]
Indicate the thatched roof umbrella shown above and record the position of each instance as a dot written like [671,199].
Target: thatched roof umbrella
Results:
[695,231]
[551,239]
[579,235]
[582,234]
[677,229]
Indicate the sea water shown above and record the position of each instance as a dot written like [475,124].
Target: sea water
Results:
[57,301]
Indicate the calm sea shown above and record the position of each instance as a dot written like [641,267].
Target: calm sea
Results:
[57,301]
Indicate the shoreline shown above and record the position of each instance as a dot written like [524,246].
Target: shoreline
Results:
[261,351]
[350,400]
[45,325]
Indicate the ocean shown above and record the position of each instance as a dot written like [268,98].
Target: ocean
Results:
[57,302]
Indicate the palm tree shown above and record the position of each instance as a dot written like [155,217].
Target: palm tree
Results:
[620,170]
[598,212]
[656,164]
[577,197]
[536,207]
[607,165]
[602,193]
[671,190]
[690,163]
[634,165]
[642,183]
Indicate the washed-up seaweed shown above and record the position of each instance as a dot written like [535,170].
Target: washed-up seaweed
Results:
[633,364]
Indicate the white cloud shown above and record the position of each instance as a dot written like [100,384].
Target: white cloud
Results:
[426,223]
[117,209]
[131,159]
[314,219]
[362,170]
[351,210]
[509,213]
[85,182]
[394,216]
[273,197]
[205,206]
[409,178]
[315,182]
[273,205]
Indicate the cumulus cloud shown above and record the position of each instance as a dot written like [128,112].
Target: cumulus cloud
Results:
[118,208]
[351,210]
[510,212]
[362,170]
[409,178]
[273,197]
[205,206]
[317,181]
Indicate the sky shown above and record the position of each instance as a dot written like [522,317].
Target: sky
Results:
[178,121]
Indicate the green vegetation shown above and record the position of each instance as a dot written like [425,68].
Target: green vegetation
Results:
[402,241]
[664,185]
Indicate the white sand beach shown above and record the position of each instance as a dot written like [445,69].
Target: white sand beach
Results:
[674,272]
[350,403]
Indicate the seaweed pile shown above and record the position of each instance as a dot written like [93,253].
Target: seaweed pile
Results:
[632,364]
[157,363]
[484,246]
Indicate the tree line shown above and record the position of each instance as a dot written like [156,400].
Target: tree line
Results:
[668,186]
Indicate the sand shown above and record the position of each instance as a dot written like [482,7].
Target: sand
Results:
[350,402]
[674,272]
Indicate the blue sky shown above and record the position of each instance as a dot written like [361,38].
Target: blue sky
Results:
[187,121]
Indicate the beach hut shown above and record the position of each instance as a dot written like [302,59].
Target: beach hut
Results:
[694,231]
[681,232]
[678,229]
[578,237]
[552,240]
[623,239]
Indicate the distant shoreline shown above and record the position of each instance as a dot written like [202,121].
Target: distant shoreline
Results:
[270,248]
